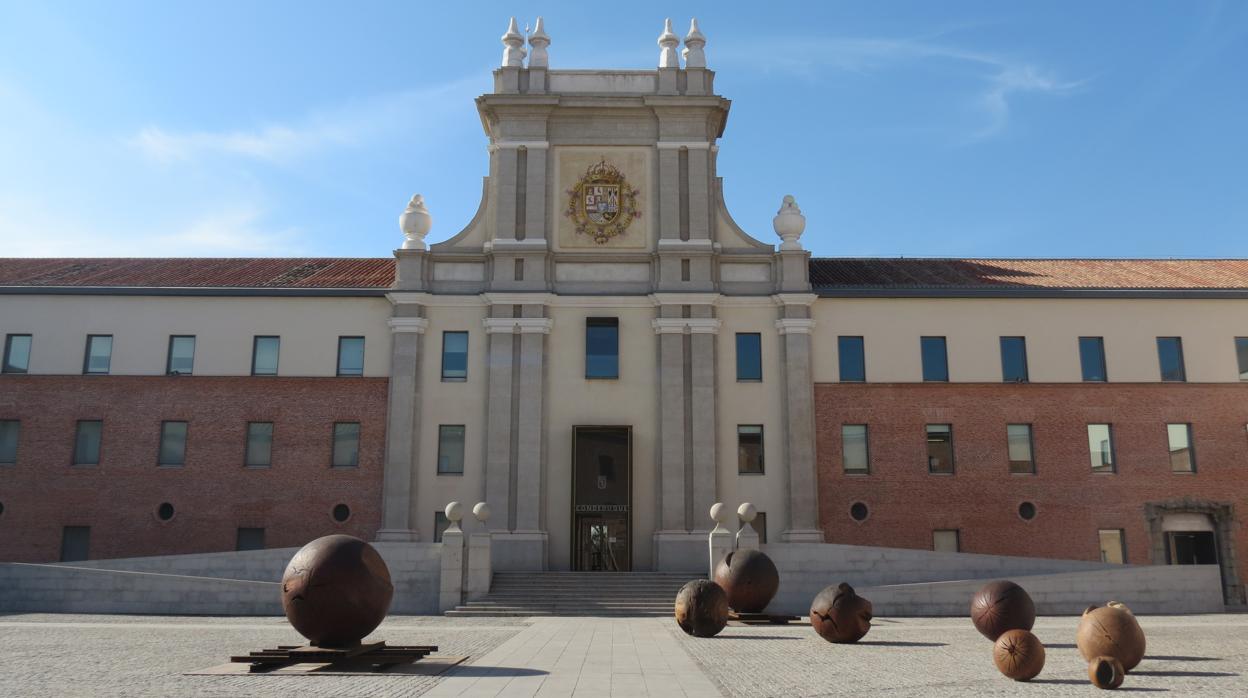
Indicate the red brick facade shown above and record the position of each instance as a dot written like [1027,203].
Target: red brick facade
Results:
[213,494]
[982,497]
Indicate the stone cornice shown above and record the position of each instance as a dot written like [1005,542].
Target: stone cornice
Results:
[517,298]
[408,324]
[518,325]
[686,326]
[795,325]
[684,298]
[795,298]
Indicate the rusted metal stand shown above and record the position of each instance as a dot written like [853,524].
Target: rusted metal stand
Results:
[373,657]
[761,618]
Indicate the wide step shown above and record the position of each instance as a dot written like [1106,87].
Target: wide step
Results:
[577,594]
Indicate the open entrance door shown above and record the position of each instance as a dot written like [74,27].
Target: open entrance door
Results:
[602,498]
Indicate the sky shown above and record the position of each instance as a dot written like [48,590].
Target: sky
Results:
[950,129]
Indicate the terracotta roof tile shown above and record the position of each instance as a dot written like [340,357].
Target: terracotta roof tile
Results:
[199,273]
[829,273]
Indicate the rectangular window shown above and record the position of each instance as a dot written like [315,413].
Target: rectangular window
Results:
[181,361]
[87,442]
[454,357]
[1170,356]
[1182,457]
[350,356]
[440,524]
[935,359]
[946,540]
[259,445]
[346,444]
[1092,359]
[1018,437]
[16,353]
[451,449]
[172,443]
[1014,359]
[250,539]
[10,429]
[75,543]
[940,448]
[855,457]
[852,359]
[99,354]
[602,347]
[750,449]
[760,527]
[264,355]
[1241,353]
[1101,447]
[749,356]
[1113,545]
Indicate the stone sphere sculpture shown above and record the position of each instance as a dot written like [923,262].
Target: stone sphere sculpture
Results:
[839,615]
[336,590]
[1111,631]
[701,608]
[749,578]
[1000,606]
[1106,672]
[1018,655]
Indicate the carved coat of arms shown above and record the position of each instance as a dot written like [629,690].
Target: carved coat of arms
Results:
[602,204]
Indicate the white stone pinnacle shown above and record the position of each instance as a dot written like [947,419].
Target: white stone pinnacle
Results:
[695,57]
[513,40]
[415,222]
[668,41]
[789,224]
[539,40]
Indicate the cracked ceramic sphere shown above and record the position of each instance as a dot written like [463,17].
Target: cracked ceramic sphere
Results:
[701,608]
[1111,631]
[1105,672]
[1000,606]
[1018,655]
[336,590]
[839,615]
[749,578]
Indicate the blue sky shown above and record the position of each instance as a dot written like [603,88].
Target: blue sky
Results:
[1063,129]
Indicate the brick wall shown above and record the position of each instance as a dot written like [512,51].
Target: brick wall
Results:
[213,494]
[981,499]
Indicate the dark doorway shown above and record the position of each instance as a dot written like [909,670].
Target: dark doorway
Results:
[602,467]
[75,543]
[1193,548]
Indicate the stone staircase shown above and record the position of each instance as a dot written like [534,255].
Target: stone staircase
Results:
[578,594]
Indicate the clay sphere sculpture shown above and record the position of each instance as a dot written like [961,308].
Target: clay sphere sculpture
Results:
[749,578]
[701,608]
[1018,654]
[839,615]
[1111,631]
[1000,606]
[1105,672]
[336,590]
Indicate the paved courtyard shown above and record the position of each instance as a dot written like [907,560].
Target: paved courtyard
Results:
[74,655]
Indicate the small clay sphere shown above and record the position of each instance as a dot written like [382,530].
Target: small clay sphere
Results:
[839,615]
[1105,672]
[1001,606]
[749,578]
[336,590]
[701,608]
[1018,654]
[1111,631]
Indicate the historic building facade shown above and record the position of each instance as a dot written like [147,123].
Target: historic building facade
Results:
[601,353]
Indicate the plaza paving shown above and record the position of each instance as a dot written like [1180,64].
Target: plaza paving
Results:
[74,655]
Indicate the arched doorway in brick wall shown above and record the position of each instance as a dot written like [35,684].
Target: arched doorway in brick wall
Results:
[1188,531]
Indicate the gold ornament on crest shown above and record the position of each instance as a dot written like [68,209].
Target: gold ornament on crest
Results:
[602,204]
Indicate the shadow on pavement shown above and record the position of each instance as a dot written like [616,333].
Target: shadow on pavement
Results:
[901,643]
[1181,673]
[1177,658]
[479,670]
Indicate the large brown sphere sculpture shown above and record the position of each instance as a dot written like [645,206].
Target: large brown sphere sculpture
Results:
[336,590]
[839,615]
[1111,631]
[701,608]
[1001,606]
[749,578]
[1018,654]
[1105,672]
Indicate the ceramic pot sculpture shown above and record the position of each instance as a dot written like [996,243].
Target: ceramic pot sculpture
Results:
[839,615]
[1001,606]
[336,590]
[749,578]
[1111,631]
[1018,654]
[1105,672]
[701,608]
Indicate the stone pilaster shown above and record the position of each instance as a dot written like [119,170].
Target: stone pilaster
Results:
[795,328]
[402,432]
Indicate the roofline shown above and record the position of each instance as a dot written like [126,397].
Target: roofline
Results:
[368,292]
[1029,259]
[1014,292]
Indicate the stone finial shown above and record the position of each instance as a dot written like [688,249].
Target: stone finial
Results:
[539,40]
[789,224]
[415,223]
[719,513]
[481,511]
[695,57]
[513,40]
[454,512]
[668,41]
[747,512]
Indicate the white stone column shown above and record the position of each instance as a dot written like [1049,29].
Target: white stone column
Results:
[402,429]
[451,586]
[720,538]
[500,337]
[795,328]
[480,571]
[747,537]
